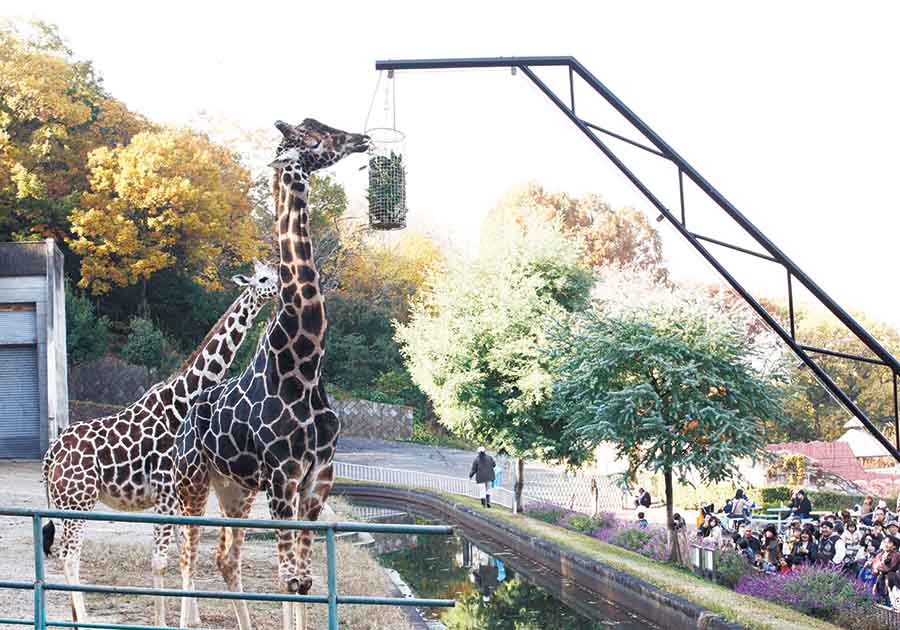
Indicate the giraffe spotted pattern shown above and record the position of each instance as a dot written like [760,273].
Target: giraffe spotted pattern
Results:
[126,460]
[271,429]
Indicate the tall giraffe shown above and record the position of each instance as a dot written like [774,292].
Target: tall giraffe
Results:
[271,429]
[125,460]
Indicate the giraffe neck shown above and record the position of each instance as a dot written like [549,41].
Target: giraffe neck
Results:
[209,363]
[297,334]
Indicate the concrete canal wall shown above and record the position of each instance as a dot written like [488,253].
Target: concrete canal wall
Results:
[566,574]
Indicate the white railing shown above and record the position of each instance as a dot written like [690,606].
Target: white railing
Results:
[580,493]
[414,478]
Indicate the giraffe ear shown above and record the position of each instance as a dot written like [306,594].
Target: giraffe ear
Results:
[241,280]
[285,157]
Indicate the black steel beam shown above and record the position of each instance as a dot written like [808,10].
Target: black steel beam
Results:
[526,63]
[623,138]
[736,248]
[472,62]
[819,372]
[843,355]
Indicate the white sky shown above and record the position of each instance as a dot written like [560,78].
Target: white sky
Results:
[789,109]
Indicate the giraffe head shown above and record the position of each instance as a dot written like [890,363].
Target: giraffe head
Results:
[312,145]
[263,282]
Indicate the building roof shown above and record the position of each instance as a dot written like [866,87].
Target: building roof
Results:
[861,442]
[23,259]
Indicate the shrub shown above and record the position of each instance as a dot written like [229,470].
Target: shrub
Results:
[731,568]
[148,346]
[606,519]
[774,495]
[582,523]
[814,590]
[821,499]
[87,334]
[633,539]
[861,618]
[547,513]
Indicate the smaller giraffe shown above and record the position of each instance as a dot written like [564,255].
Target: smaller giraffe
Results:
[125,461]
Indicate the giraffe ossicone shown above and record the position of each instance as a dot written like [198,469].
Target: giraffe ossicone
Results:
[271,429]
[125,460]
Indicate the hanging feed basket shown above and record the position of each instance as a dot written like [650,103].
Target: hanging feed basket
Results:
[387,179]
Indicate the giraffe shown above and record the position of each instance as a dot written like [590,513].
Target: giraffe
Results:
[271,428]
[125,460]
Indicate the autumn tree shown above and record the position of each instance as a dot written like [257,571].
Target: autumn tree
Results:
[618,237]
[817,415]
[476,341]
[373,290]
[169,198]
[53,112]
[670,379]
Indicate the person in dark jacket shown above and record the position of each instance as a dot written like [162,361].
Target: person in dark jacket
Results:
[483,471]
[643,499]
[805,551]
[800,505]
[831,546]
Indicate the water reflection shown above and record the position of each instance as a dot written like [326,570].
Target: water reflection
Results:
[490,593]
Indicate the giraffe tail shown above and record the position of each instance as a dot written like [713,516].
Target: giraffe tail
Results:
[49,530]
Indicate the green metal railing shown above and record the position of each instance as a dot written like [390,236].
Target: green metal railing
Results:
[40,586]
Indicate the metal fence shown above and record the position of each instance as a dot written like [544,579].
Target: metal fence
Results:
[578,492]
[40,585]
[416,479]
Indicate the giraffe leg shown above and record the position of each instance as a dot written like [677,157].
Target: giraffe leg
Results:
[282,495]
[235,502]
[191,481]
[313,493]
[162,538]
[190,544]
[73,538]
[191,502]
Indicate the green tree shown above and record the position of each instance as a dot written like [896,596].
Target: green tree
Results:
[87,333]
[476,341]
[148,346]
[671,379]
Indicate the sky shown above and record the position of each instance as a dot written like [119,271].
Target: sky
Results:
[789,109]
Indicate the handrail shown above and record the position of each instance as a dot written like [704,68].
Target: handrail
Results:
[39,586]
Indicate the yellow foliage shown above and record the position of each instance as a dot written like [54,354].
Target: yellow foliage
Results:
[170,197]
[53,112]
[380,272]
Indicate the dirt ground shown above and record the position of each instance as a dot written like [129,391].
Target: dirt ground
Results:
[119,554]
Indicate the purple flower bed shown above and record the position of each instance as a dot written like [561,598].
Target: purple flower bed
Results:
[820,591]
[649,542]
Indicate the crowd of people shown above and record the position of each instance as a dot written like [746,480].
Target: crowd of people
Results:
[862,542]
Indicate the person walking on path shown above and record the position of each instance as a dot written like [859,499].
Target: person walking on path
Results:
[483,471]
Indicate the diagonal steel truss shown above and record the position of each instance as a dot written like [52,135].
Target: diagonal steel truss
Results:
[810,355]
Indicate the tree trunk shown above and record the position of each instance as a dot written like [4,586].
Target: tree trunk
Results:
[144,309]
[675,551]
[520,483]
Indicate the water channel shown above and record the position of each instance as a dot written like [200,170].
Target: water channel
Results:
[493,588]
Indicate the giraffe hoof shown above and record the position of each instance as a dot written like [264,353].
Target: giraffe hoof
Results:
[299,586]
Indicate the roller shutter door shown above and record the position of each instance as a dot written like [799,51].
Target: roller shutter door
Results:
[20,411]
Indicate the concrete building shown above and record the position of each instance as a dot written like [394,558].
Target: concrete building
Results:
[34,401]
